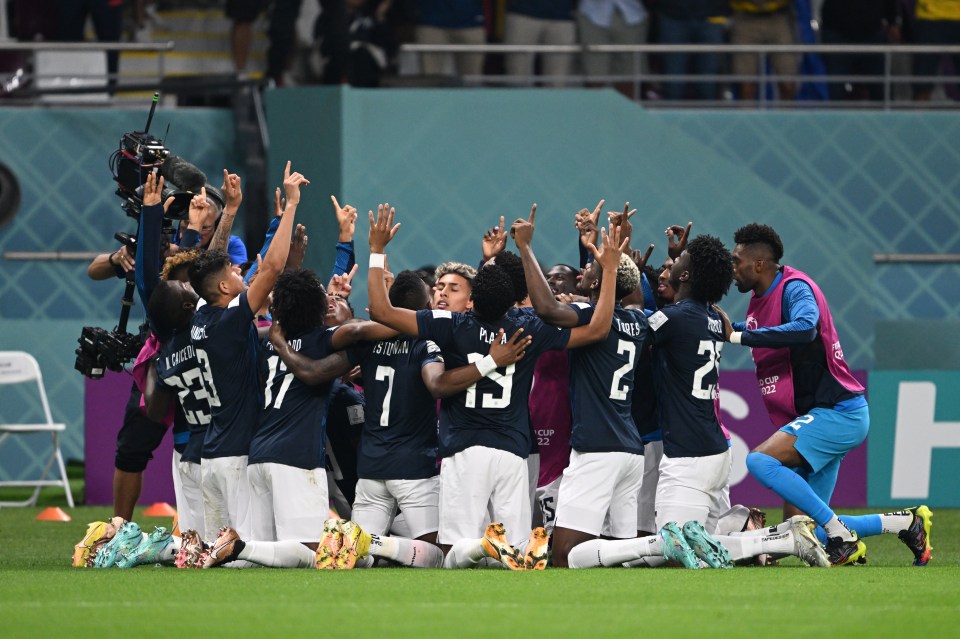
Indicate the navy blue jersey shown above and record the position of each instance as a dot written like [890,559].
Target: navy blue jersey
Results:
[291,430]
[178,371]
[601,384]
[226,346]
[344,426]
[493,412]
[400,429]
[688,337]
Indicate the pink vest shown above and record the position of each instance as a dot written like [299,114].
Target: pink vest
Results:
[145,359]
[550,413]
[774,372]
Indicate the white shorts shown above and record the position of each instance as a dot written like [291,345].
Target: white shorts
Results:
[598,494]
[287,503]
[188,488]
[377,500]
[475,479]
[647,499]
[547,501]
[226,495]
[694,488]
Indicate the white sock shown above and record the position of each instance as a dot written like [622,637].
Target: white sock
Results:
[895,522]
[277,554]
[407,552]
[613,552]
[836,528]
[466,553]
[745,546]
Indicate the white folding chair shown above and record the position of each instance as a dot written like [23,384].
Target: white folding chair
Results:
[17,367]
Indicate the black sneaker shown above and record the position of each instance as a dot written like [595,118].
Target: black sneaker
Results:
[917,536]
[842,553]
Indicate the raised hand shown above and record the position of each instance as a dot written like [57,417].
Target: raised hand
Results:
[298,248]
[587,224]
[641,259]
[522,230]
[494,241]
[346,219]
[278,204]
[152,189]
[199,209]
[383,229]
[618,218]
[608,257]
[340,284]
[291,185]
[677,239]
[511,350]
[231,191]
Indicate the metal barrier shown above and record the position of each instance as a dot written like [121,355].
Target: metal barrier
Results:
[889,79]
[22,84]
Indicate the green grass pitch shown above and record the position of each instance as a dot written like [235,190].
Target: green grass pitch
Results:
[42,596]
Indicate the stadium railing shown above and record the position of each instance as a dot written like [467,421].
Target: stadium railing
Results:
[896,75]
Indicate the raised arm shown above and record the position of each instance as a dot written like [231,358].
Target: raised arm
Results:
[544,303]
[276,257]
[156,399]
[234,196]
[609,259]
[307,370]
[445,383]
[382,230]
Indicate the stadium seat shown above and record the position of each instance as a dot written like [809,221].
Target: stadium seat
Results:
[17,367]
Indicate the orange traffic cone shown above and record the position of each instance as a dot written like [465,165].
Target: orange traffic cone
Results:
[160,509]
[52,514]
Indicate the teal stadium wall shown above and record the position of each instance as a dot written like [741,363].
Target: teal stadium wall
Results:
[839,187]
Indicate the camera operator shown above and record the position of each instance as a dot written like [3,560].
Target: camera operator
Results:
[214,231]
[107,265]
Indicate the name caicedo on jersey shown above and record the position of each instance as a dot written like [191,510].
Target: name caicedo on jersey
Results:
[177,358]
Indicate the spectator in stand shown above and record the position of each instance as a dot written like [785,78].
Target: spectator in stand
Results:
[937,22]
[612,22]
[355,42]
[107,16]
[451,22]
[540,22]
[692,22]
[243,13]
[858,22]
[764,22]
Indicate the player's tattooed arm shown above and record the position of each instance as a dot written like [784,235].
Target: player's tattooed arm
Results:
[382,230]
[234,196]
[444,383]
[609,259]
[308,370]
[544,303]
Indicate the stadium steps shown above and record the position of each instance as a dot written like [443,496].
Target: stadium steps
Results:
[201,47]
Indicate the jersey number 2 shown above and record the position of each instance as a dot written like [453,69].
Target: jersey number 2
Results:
[712,349]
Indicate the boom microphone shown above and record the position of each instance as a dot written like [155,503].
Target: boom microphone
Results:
[184,175]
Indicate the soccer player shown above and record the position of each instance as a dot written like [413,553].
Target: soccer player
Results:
[811,396]
[226,344]
[454,283]
[484,431]
[603,479]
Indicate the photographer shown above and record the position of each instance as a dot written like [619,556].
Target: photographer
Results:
[217,222]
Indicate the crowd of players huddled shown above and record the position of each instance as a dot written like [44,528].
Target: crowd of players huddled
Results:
[488,415]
